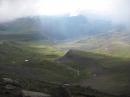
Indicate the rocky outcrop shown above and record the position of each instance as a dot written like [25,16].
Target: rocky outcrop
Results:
[9,88]
[12,88]
[26,93]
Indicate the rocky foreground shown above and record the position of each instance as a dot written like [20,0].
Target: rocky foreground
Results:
[12,88]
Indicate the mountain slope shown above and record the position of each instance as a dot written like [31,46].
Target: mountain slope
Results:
[40,69]
[23,61]
[57,27]
[105,73]
[48,37]
[112,43]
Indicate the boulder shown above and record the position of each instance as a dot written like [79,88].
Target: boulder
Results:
[10,81]
[26,93]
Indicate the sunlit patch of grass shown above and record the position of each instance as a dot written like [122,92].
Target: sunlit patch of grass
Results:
[47,50]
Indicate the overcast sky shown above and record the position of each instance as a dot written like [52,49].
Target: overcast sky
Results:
[118,10]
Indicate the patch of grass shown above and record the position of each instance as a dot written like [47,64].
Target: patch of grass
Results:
[27,61]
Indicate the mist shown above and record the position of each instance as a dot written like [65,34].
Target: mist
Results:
[117,10]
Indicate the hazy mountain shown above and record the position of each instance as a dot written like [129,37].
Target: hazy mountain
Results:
[84,32]
[57,27]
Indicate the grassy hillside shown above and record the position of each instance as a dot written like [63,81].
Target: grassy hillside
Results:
[102,72]
[25,61]
[34,63]
[22,37]
[113,44]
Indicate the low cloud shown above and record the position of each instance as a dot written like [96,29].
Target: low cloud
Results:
[11,9]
